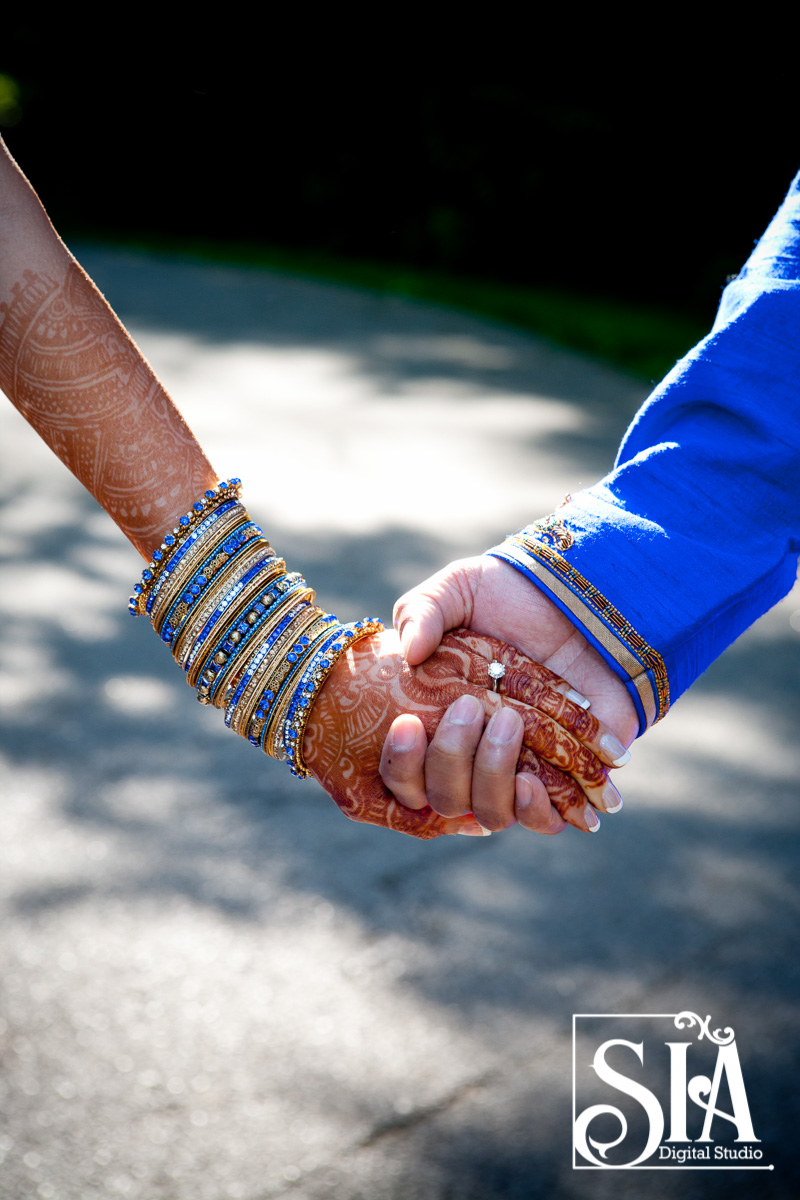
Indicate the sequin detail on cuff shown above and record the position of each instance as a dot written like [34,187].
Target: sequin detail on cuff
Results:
[540,545]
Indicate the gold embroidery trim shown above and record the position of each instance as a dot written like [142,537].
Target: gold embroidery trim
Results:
[596,602]
[597,629]
[553,532]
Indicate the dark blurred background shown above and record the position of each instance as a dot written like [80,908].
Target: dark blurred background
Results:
[604,212]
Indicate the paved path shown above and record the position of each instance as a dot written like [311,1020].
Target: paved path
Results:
[213,986]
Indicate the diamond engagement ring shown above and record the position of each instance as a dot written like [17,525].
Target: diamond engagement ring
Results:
[496,672]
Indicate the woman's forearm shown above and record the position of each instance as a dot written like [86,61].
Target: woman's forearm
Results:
[291,679]
[75,374]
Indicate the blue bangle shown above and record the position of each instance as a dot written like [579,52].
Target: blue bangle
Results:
[233,548]
[236,641]
[259,656]
[246,631]
[175,560]
[310,684]
[230,595]
[163,557]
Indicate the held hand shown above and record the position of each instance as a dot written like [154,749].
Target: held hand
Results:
[490,597]
[372,685]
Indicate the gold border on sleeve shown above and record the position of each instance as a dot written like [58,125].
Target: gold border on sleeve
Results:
[597,613]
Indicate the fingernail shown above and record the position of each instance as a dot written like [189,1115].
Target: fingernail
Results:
[615,750]
[503,727]
[465,710]
[523,792]
[592,820]
[404,735]
[407,637]
[577,698]
[611,798]
[475,830]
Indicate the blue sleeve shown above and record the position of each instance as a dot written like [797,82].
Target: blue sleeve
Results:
[696,531]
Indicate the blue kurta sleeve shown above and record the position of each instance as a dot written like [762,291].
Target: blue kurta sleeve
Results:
[696,531]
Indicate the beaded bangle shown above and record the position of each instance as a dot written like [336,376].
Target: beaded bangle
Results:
[231,647]
[197,598]
[201,565]
[234,593]
[234,649]
[283,685]
[246,632]
[203,540]
[271,683]
[261,718]
[266,661]
[173,541]
[292,726]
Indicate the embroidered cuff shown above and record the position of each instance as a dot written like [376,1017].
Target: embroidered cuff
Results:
[537,552]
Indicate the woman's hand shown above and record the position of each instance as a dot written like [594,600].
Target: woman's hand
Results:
[372,685]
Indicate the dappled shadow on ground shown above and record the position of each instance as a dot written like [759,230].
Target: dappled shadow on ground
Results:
[156,869]
[133,795]
[395,343]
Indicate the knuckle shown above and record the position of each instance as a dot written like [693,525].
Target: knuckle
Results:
[450,801]
[456,741]
[494,797]
[535,820]
[499,762]
[450,749]
[493,820]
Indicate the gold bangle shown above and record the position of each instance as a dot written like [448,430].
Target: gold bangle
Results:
[213,572]
[239,696]
[250,725]
[210,501]
[263,676]
[250,549]
[239,608]
[288,603]
[285,688]
[227,666]
[181,577]
[224,669]
[307,687]
[186,646]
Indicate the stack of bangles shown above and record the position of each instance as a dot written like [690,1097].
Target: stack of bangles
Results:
[246,632]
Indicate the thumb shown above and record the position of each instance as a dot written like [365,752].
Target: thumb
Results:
[424,614]
[420,624]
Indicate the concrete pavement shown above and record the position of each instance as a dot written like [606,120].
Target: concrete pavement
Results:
[214,986]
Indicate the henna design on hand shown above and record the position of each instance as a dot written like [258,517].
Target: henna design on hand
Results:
[372,684]
[74,373]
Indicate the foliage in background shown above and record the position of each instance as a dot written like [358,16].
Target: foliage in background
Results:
[604,217]
[642,340]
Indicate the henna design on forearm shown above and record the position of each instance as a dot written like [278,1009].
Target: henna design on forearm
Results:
[75,374]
